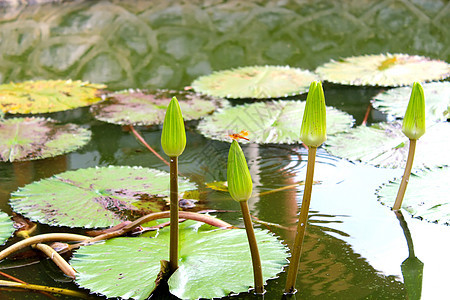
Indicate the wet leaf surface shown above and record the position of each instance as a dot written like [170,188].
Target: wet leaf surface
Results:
[6,227]
[95,197]
[385,145]
[268,122]
[213,263]
[426,195]
[32,97]
[36,138]
[255,82]
[383,70]
[437,101]
[149,108]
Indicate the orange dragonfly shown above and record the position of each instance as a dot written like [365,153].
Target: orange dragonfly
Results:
[240,135]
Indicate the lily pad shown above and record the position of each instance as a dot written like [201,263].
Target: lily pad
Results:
[32,97]
[143,108]
[255,82]
[213,263]
[6,227]
[95,197]
[384,70]
[36,138]
[268,122]
[426,196]
[437,101]
[385,145]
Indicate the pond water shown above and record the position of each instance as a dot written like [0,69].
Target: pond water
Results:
[354,246]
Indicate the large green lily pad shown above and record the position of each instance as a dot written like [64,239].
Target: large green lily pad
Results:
[385,145]
[36,138]
[95,197]
[268,122]
[426,195]
[437,101]
[255,82]
[32,97]
[6,227]
[143,108]
[383,70]
[213,263]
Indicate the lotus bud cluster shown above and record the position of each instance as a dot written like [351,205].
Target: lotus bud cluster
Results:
[414,120]
[173,137]
[240,183]
[313,131]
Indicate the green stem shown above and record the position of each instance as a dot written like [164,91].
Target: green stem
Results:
[256,260]
[173,254]
[301,227]
[406,174]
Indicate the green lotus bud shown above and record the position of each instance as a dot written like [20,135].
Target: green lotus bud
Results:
[313,132]
[240,183]
[173,137]
[414,121]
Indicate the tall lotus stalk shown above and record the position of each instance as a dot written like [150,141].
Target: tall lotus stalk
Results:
[312,134]
[413,127]
[240,187]
[173,142]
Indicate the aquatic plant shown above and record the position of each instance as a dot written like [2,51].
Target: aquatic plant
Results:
[312,134]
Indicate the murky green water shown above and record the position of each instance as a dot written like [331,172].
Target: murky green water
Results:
[354,245]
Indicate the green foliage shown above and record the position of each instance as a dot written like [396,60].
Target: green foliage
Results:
[6,227]
[32,97]
[36,138]
[212,263]
[95,197]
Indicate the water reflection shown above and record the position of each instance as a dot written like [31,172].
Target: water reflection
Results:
[167,44]
[412,267]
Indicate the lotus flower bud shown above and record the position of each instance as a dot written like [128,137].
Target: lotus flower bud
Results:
[240,183]
[414,120]
[313,131]
[173,137]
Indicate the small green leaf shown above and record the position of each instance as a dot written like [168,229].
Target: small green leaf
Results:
[95,197]
[414,120]
[173,137]
[36,138]
[6,227]
[240,183]
[47,96]
[427,195]
[313,131]
[212,263]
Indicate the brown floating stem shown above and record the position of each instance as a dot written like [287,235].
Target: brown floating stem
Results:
[57,259]
[141,139]
[256,260]
[301,227]
[6,283]
[406,174]
[173,255]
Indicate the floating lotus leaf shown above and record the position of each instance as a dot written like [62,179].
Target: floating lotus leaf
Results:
[268,122]
[36,138]
[426,196]
[213,264]
[141,108]
[437,101]
[384,70]
[385,145]
[6,227]
[255,82]
[32,97]
[95,197]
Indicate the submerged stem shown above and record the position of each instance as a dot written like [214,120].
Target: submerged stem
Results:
[301,227]
[173,253]
[141,139]
[406,174]
[256,260]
